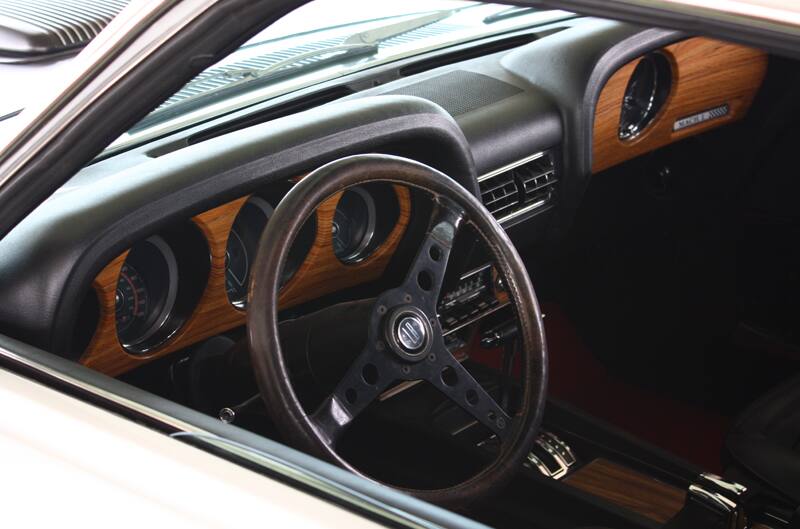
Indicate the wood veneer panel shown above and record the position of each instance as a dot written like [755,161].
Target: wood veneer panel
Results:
[629,489]
[321,273]
[706,73]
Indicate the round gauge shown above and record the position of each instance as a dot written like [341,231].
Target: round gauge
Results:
[146,292]
[242,246]
[353,225]
[647,90]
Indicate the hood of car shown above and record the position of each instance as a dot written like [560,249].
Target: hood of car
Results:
[34,31]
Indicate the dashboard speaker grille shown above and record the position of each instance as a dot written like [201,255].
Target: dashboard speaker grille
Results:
[460,92]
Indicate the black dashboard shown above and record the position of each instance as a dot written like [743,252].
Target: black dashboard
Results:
[511,119]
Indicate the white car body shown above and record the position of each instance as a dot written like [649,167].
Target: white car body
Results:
[67,463]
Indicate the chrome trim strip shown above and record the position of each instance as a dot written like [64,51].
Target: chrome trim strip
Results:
[530,207]
[512,165]
[275,464]
[300,474]
[167,420]
[474,271]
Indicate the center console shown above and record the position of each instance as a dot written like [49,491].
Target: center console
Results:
[592,473]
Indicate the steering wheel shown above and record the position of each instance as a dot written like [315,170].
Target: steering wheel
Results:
[405,340]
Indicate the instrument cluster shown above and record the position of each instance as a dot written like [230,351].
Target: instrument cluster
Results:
[163,277]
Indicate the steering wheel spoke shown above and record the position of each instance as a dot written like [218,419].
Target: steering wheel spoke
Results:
[363,382]
[426,275]
[458,384]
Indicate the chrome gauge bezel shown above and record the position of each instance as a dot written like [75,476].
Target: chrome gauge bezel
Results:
[658,67]
[144,341]
[362,249]
[267,210]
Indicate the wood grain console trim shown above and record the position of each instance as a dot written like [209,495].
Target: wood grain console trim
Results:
[706,73]
[321,273]
[629,489]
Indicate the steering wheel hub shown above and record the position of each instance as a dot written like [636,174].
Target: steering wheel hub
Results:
[408,332]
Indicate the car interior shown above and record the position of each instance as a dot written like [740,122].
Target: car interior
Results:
[547,278]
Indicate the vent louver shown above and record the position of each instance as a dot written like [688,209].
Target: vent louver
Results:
[520,189]
[500,194]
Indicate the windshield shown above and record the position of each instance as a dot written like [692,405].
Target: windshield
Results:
[322,40]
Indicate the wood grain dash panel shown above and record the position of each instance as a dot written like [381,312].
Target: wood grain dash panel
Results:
[214,313]
[706,73]
[322,268]
[629,489]
[321,273]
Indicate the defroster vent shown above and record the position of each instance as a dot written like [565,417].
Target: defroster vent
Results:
[521,189]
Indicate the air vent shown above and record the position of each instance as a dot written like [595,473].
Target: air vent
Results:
[537,179]
[521,189]
[500,194]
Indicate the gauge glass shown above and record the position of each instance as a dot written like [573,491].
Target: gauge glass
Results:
[242,246]
[131,299]
[146,292]
[353,225]
[647,90]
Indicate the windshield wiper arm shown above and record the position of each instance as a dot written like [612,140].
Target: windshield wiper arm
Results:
[333,54]
[361,44]
[243,79]
[378,35]
[358,44]
[511,12]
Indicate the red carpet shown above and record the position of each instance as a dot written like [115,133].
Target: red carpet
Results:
[577,378]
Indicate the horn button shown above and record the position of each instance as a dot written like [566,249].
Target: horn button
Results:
[408,332]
